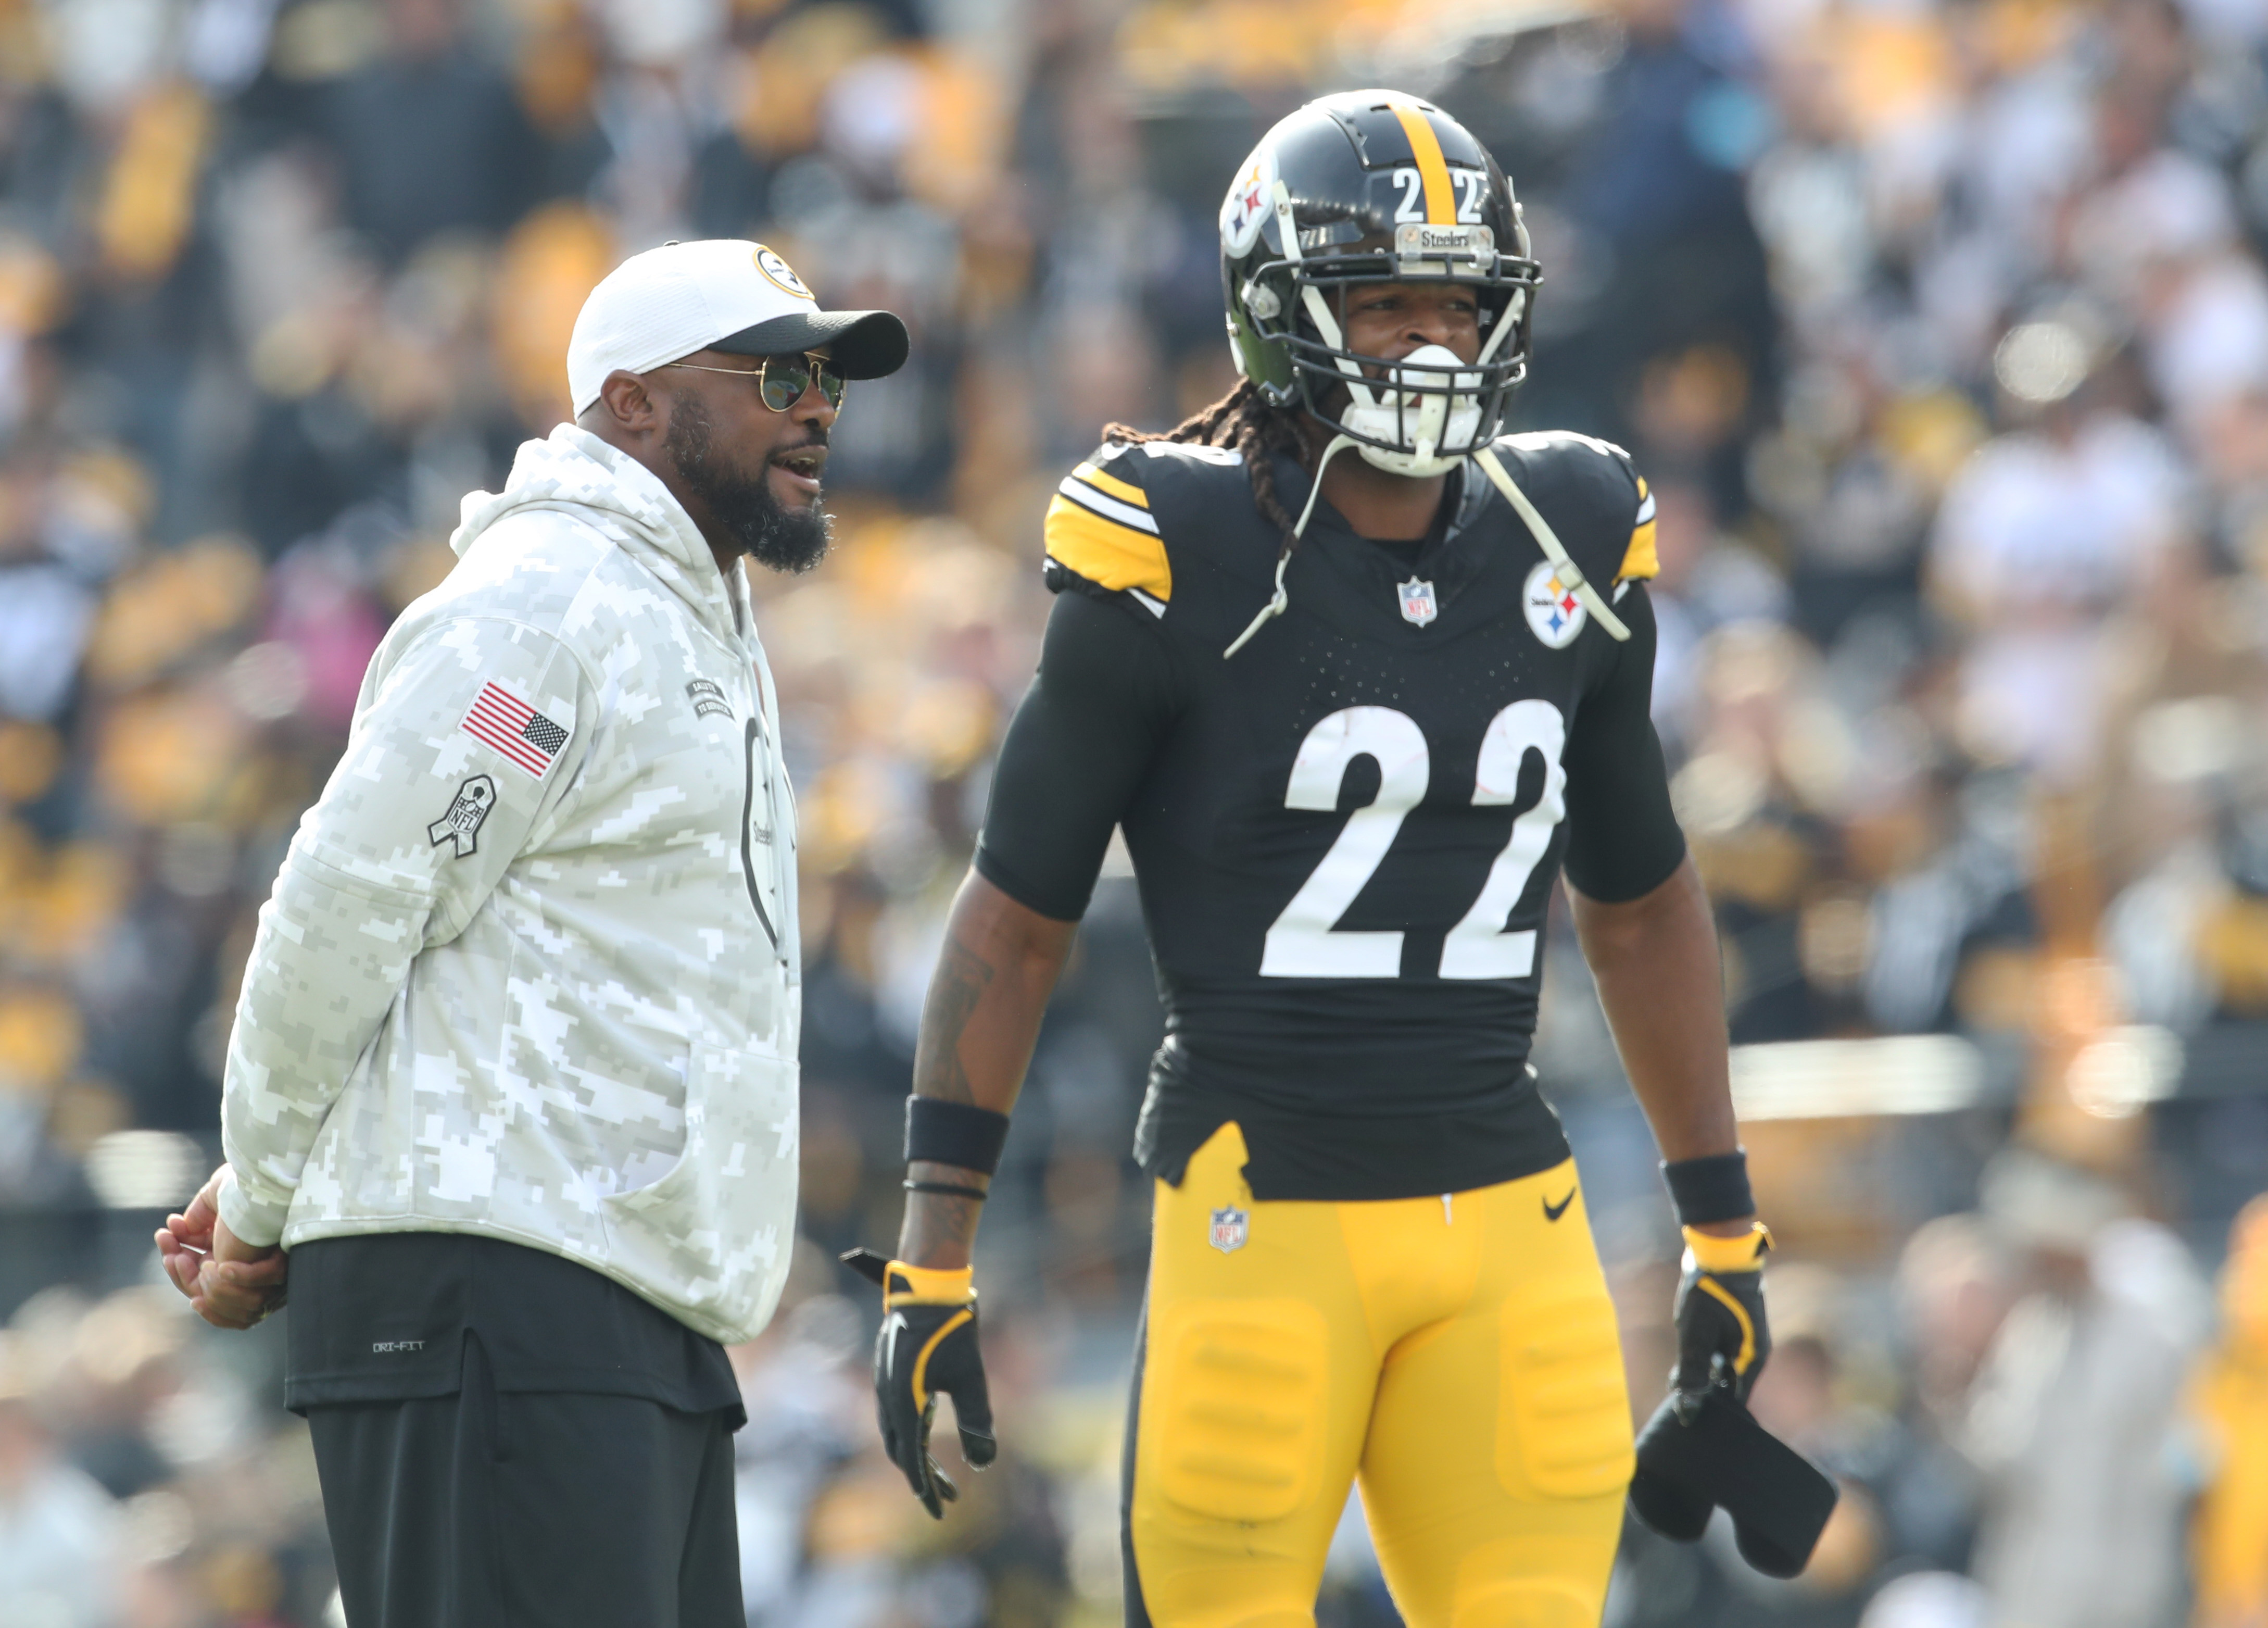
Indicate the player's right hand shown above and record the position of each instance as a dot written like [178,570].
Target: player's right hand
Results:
[927,1348]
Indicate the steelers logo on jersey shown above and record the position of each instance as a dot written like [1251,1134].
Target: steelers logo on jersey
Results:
[781,274]
[1553,613]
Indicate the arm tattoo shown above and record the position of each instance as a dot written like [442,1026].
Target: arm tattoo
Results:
[938,1221]
[960,983]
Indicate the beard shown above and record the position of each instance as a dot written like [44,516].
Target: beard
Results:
[753,521]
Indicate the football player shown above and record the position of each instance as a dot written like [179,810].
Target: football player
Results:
[1358,676]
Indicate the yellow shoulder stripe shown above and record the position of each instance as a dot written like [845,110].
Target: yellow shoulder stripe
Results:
[1639,560]
[1125,491]
[1432,168]
[1105,552]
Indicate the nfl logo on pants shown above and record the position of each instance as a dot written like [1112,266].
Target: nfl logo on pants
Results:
[1230,1229]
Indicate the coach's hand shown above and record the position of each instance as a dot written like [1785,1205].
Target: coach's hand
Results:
[927,1348]
[232,1284]
[1722,1337]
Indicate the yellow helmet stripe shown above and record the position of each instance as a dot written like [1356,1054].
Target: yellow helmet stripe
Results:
[1432,168]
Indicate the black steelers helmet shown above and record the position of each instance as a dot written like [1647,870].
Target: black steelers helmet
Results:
[1371,186]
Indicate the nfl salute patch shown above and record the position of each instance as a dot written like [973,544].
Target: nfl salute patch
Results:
[708,698]
[502,721]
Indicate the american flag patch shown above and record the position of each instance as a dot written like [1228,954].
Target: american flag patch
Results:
[502,720]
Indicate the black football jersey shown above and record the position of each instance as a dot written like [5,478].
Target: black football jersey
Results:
[1345,835]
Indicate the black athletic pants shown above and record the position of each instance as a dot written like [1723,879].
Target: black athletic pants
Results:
[512,1509]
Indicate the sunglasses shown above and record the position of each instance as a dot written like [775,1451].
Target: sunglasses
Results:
[782,380]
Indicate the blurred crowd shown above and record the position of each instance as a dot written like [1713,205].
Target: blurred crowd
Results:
[1941,329]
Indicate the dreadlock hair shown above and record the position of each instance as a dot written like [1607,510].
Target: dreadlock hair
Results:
[1244,420]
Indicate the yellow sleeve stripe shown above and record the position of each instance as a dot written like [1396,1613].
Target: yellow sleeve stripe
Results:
[1125,491]
[1432,168]
[1109,508]
[1108,551]
[1639,559]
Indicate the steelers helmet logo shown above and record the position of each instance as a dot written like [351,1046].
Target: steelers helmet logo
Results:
[781,274]
[1553,613]
[1249,201]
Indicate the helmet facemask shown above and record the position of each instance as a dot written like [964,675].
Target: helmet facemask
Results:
[1420,415]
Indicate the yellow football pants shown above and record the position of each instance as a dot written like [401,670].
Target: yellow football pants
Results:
[1461,1355]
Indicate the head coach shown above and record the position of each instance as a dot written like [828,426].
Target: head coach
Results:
[513,1073]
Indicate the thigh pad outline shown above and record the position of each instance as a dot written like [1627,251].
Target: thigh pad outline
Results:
[1565,1428]
[1528,1605]
[1234,1404]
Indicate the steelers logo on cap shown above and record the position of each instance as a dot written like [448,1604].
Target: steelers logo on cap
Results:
[782,275]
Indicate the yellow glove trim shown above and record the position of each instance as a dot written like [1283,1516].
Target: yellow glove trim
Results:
[1719,1292]
[927,1285]
[921,1363]
[1743,1253]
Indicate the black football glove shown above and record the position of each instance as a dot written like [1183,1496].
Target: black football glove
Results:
[1722,1337]
[1702,1451]
[927,1348]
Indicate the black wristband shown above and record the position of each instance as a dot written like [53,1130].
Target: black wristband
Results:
[950,1188]
[954,1133]
[1712,1189]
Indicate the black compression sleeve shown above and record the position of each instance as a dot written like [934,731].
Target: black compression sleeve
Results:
[1622,842]
[1079,743]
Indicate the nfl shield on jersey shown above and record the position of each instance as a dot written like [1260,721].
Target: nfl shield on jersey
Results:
[1418,604]
[1231,1229]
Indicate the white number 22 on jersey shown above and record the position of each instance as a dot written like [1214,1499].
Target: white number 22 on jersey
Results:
[1301,943]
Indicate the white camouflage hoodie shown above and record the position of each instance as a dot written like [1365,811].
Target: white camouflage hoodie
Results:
[530,969]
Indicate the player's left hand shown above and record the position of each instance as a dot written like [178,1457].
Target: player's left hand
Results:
[927,1348]
[1722,1337]
[232,1284]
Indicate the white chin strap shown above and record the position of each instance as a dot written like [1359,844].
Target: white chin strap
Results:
[1562,565]
[1280,600]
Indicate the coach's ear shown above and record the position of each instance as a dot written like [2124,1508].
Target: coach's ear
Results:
[628,413]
